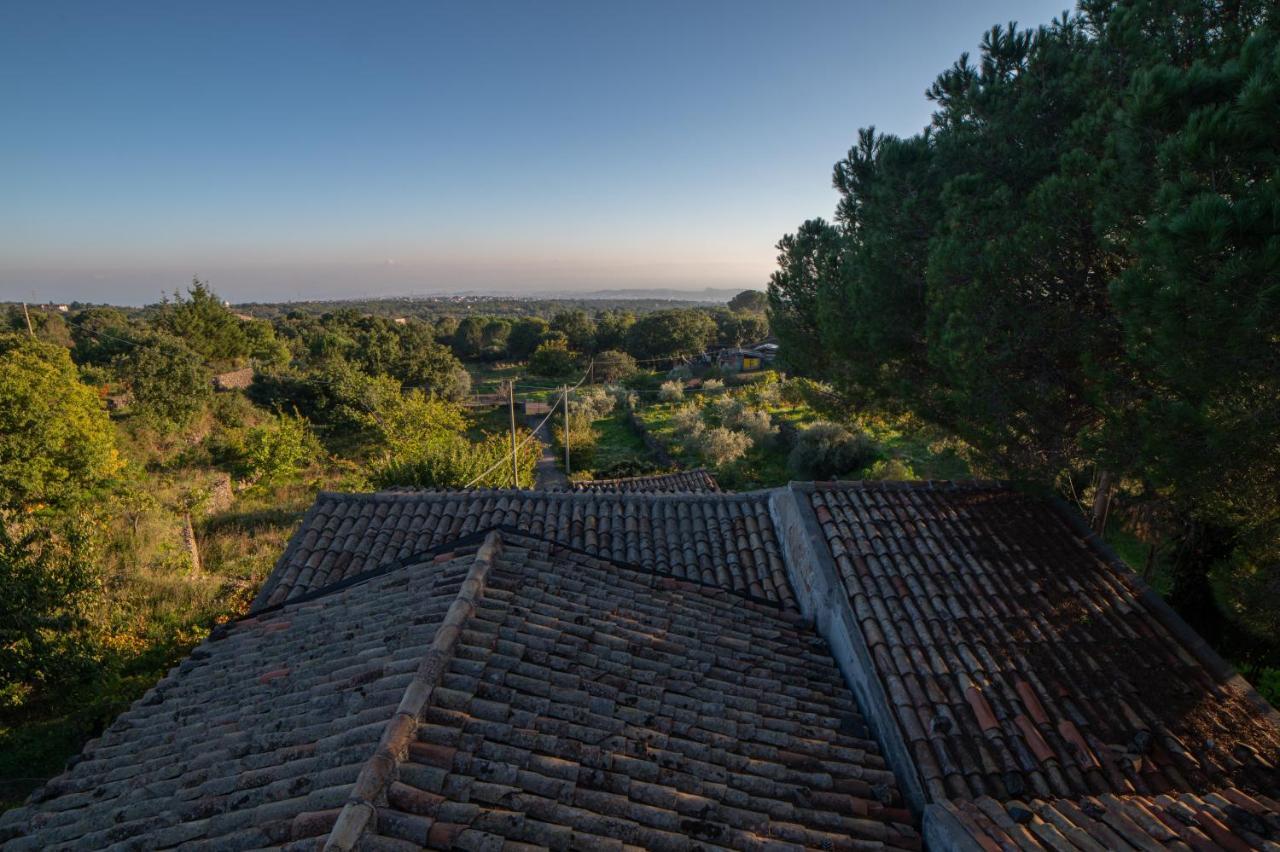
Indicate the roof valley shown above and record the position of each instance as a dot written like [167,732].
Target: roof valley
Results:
[378,773]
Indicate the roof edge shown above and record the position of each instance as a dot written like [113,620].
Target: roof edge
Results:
[1168,617]
[295,540]
[815,581]
[467,539]
[377,773]
[452,493]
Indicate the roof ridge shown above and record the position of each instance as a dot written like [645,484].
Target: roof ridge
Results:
[376,774]
[472,493]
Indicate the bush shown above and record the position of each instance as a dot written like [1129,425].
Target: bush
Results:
[671,391]
[594,403]
[51,584]
[767,392]
[455,462]
[755,422]
[720,445]
[280,447]
[552,359]
[713,385]
[826,450]
[614,366]
[582,439]
[894,469]
[687,420]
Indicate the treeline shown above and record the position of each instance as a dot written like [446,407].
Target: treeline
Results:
[430,307]
[559,344]
[1076,268]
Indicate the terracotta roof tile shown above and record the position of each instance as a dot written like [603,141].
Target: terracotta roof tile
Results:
[521,694]
[699,480]
[1227,819]
[266,725]
[717,539]
[1018,662]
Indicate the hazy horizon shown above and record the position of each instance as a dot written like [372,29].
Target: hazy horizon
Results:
[297,151]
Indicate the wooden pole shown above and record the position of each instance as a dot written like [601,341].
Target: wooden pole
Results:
[511,404]
[1101,503]
[566,430]
[27,314]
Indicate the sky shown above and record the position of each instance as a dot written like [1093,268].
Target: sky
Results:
[330,150]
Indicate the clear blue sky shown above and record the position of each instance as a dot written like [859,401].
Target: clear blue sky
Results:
[317,150]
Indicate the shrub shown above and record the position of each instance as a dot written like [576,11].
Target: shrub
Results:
[281,446]
[895,468]
[720,445]
[552,358]
[755,422]
[687,420]
[713,385]
[455,462]
[767,392]
[582,439]
[595,403]
[723,409]
[51,584]
[614,366]
[671,391]
[826,450]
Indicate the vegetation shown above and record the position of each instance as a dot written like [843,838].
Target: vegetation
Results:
[1074,271]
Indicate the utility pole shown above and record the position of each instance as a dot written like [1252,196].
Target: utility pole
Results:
[27,314]
[511,404]
[566,430]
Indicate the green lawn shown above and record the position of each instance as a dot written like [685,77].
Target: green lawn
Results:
[617,443]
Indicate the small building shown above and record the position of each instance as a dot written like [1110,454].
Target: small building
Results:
[233,380]
[739,360]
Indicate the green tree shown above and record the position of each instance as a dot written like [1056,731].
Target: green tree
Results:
[670,334]
[750,300]
[56,444]
[169,382]
[205,325]
[469,339]
[578,328]
[525,336]
[552,359]
[613,366]
[278,448]
[100,334]
[51,586]
[1074,269]
[612,328]
[740,327]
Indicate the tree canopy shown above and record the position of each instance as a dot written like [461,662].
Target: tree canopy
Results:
[1075,266]
[56,444]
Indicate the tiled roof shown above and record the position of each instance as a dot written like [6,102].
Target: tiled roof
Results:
[692,481]
[725,540]
[1229,820]
[1019,663]
[268,719]
[520,696]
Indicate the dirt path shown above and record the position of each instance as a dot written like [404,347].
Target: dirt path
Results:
[547,476]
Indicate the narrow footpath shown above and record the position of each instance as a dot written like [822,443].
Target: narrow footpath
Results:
[547,475]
